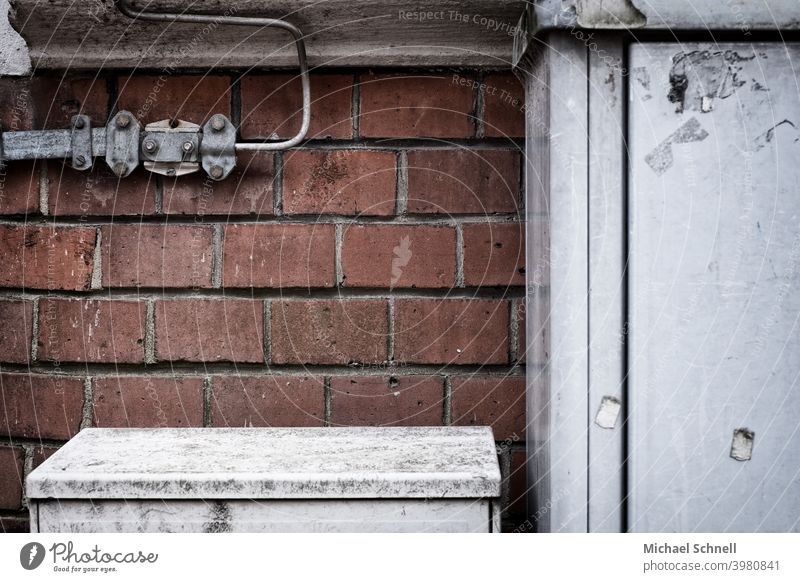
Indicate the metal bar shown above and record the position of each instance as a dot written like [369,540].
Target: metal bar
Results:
[126,9]
[56,143]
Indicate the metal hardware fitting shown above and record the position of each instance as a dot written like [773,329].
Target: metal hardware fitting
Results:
[172,148]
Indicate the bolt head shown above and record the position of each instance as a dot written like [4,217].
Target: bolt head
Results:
[80,160]
[123,121]
[150,146]
[217,123]
[79,123]
[216,172]
[188,146]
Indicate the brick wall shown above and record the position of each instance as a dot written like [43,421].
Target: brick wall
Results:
[374,276]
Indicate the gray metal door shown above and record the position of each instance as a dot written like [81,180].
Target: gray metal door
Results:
[714,287]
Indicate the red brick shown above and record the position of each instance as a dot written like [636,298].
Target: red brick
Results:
[329,332]
[12,463]
[14,524]
[192,98]
[47,407]
[99,192]
[138,255]
[498,402]
[399,256]
[463,181]
[376,401]
[57,99]
[339,182]
[451,331]
[43,257]
[278,255]
[522,348]
[148,402]
[268,401]
[16,330]
[494,254]
[91,331]
[518,486]
[41,454]
[19,188]
[207,330]
[504,106]
[248,190]
[411,105]
[17,113]
[272,106]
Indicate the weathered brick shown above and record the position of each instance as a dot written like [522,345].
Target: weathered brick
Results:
[387,401]
[411,105]
[17,113]
[43,257]
[272,106]
[278,255]
[451,331]
[399,256]
[16,330]
[522,348]
[463,181]
[504,106]
[498,402]
[494,254]
[99,192]
[244,401]
[12,461]
[57,99]
[248,190]
[192,98]
[147,402]
[19,188]
[14,524]
[329,332]
[91,331]
[348,182]
[138,255]
[41,454]
[208,330]
[517,483]
[34,406]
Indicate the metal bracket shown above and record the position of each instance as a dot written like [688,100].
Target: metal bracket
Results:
[171,148]
[81,142]
[122,143]
[218,149]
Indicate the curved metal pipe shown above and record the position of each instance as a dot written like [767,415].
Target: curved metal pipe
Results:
[125,8]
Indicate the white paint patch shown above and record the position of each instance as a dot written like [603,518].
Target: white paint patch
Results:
[742,445]
[608,413]
[15,59]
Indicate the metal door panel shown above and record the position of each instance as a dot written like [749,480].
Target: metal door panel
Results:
[714,286]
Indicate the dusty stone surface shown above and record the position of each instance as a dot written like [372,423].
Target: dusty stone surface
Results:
[272,463]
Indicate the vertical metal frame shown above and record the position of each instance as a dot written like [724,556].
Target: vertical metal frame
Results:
[575,203]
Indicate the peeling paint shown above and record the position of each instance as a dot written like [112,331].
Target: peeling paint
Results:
[661,158]
[698,77]
[742,445]
[608,412]
[15,59]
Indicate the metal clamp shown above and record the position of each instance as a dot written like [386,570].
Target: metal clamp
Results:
[172,148]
